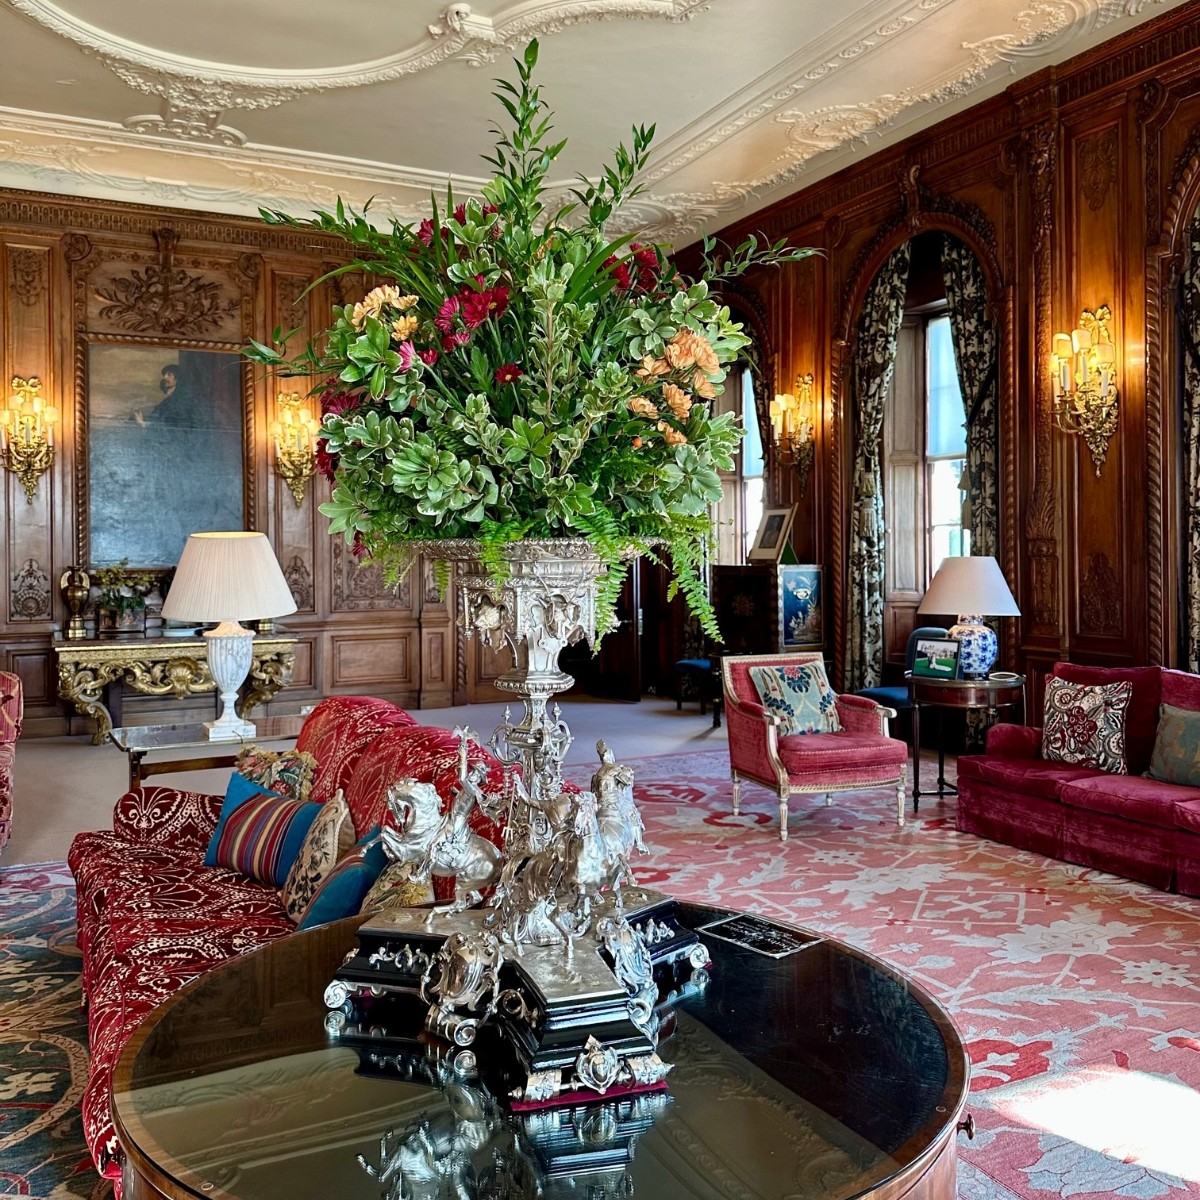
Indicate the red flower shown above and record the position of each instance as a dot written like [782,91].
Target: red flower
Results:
[453,340]
[326,462]
[407,352]
[446,314]
[425,231]
[460,214]
[478,306]
[509,373]
[428,357]
[358,547]
[334,400]
[620,272]
[499,301]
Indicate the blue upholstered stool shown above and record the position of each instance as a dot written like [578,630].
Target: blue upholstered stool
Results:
[699,671]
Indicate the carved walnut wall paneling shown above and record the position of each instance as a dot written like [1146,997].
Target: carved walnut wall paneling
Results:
[74,271]
[358,588]
[1100,599]
[1098,167]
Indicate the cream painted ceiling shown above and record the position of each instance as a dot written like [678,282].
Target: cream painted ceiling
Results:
[228,105]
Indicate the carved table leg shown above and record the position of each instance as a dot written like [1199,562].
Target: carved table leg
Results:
[83,686]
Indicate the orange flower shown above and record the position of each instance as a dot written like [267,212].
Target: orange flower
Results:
[641,407]
[372,304]
[671,436]
[652,367]
[702,385]
[688,349]
[678,401]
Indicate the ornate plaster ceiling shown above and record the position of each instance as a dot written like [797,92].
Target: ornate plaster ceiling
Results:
[235,104]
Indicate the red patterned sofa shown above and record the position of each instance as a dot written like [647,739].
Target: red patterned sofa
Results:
[10,730]
[1131,825]
[151,916]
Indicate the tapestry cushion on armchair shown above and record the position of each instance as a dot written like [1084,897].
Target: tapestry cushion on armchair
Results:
[799,695]
[1085,725]
[259,834]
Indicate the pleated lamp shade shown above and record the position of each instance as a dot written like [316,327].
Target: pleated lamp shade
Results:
[228,577]
[970,585]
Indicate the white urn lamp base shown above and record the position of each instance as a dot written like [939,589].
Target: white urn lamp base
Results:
[230,654]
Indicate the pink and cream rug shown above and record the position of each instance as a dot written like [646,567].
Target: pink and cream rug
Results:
[1077,993]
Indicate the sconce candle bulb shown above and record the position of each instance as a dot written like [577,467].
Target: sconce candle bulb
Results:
[295,435]
[793,426]
[1083,370]
[27,434]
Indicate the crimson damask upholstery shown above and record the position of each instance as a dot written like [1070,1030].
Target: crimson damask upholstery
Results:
[1128,824]
[151,916]
[10,730]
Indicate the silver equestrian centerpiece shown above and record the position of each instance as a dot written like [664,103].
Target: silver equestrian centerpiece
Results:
[566,957]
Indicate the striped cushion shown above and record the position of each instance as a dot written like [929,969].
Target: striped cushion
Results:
[259,834]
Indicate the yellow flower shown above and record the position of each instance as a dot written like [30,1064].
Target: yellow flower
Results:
[641,407]
[406,302]
[702,385]
[652,367]
[678,401]
[671,436]
[404,327]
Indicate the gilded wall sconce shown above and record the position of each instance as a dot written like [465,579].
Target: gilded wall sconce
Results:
[27,433]
[793,426]
[295,433]
[1083,367]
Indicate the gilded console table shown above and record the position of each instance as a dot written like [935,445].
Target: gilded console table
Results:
[162,666]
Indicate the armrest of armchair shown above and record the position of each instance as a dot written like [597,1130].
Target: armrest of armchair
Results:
[860,714]
[11,707]
[167,817]
[753,737]
[1014,741]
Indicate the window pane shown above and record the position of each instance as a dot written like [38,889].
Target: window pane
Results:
[946,534]
[752,450]
[753,492]
[947,422]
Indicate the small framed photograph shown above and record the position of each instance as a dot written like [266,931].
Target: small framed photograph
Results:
[937,658]
[772,535]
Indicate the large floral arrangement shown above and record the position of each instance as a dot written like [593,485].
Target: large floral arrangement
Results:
[520,374]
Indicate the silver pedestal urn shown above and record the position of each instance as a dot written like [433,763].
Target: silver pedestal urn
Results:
[567,958]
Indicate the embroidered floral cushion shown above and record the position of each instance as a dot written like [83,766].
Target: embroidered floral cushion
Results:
[396,888]
[1176,757]
[800,695]
[343,890]
[287,773]
[329,838]
[1085,725]
[259,834]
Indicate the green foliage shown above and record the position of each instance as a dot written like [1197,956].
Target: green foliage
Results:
[123,588]
[518,373]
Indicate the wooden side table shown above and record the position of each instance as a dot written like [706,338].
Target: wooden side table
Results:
[988,694]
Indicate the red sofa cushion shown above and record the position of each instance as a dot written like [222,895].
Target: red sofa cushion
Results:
[1141,718]
[1133,797]
[337,731]
[1030,777]
[1181,688]
[806,753]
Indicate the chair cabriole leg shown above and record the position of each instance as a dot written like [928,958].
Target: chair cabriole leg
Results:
[900,804]
[783,815]
[737,793]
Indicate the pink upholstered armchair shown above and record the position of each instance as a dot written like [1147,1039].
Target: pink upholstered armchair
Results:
[10,730]
[860,755]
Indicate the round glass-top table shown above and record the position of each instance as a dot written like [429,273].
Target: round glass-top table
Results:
[803,1069]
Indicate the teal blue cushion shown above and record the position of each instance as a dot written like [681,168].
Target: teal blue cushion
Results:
[800,695]
[344,889]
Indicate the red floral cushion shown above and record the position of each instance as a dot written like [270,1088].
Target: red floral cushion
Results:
[1085,725]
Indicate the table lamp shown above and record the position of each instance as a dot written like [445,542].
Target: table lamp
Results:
[227,577]
[973,587]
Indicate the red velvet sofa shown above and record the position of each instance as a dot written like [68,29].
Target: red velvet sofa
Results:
[1131,825]
[151,916]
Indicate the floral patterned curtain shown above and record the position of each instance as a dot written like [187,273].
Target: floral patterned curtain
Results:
[977,357]
[871,378]
[1189,322]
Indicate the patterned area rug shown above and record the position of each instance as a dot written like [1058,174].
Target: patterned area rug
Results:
[1077,993]
[43,1039]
